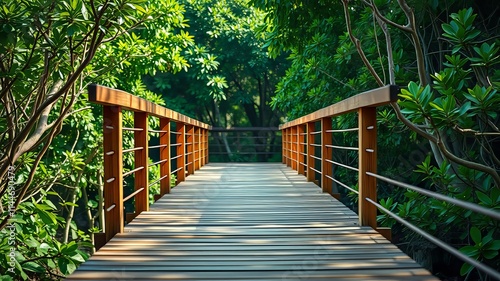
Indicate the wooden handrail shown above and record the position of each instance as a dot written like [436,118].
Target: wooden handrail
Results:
[373,98]
[190,138]
[300,137]
[113,97]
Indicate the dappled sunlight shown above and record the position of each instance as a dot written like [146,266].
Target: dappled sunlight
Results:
[241,225]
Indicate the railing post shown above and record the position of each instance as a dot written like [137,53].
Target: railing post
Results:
[190,148]
[141,160]
[293,147]
[310,151]
[205,132]
[326,154]
[181,151]
[367,143]
[301,150]
[289,146]
[113,171]
[196,148]
[165,167]
[202,147]
[283,146]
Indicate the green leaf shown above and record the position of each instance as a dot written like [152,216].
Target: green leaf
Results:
[465,269]
[32,243]
[490,254]
[77,257]
[69,248]
[92,203]
[46,217]
[44,248]
[475,234]
[33,267]
[495,245]
[485,199]
[43,207]
[66,265]
[51,264]
[470,251]
[50,204]
[70,204]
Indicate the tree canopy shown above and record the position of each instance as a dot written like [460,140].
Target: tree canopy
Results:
[239,63]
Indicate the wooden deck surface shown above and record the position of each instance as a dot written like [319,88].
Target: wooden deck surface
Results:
[248,222]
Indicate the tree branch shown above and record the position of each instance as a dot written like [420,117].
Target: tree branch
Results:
[357,43]
[375,9]
[443,149]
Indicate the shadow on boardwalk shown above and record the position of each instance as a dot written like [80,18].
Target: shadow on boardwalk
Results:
[249,222]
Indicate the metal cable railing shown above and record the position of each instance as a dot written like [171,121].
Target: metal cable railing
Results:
[307,142]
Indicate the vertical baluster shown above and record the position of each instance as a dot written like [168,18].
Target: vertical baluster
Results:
[293,147]
[202,148]
[367,143]
[310,151]
[205,133]
[141,160]
[196,148]
[113,171]
[326,154]
[286,146]
[289,147]
[283,146]
[165,167]
[301,149]
[190,149]
[181,151]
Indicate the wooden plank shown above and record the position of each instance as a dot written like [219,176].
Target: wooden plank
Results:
[306,272]
[372,98]
[249,222]
[113,97]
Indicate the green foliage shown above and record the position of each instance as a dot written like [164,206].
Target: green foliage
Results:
[461,30]
[52,51]
[484,248]
[41,255]
[231,79]
[385,219]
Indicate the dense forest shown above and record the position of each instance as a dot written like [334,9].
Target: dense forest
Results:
[258,63]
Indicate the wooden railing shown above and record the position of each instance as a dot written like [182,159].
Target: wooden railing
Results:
[301,148]
[183,145]
[307,141]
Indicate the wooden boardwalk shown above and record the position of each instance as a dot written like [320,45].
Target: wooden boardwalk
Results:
[249,222]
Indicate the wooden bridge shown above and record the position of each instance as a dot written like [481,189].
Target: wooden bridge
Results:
[237,221]
[249,222]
